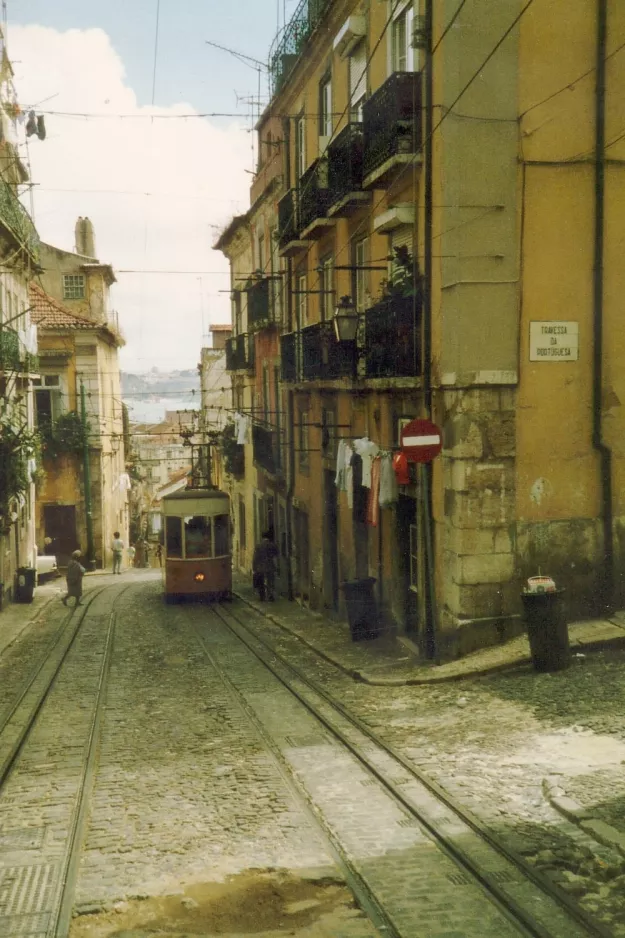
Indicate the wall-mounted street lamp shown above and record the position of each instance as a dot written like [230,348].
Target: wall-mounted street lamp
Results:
[346,320]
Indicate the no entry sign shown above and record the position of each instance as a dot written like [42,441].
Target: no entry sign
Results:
[421,441]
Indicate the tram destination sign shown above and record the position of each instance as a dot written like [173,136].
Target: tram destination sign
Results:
[554,341]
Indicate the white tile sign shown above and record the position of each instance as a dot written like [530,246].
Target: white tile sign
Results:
[554,341]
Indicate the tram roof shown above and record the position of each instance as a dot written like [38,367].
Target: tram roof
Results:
[188,494]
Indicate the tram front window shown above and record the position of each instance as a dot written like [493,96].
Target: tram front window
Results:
[173,537]
[222,527]
[197,537]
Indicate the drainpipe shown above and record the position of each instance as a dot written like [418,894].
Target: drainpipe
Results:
[605,453]
[87,480]
[426,476]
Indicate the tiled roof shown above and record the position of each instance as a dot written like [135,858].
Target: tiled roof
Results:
[50,314]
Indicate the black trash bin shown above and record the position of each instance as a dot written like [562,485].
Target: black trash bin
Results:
[25,587]
[547,630]
[362,613]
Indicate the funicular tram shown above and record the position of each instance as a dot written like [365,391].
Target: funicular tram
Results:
[196,529]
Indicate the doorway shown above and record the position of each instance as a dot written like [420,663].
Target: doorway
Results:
[302,554]
[331,551]
[59,524]
[409,560]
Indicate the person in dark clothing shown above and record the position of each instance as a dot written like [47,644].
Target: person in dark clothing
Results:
[264,567]
[74,575]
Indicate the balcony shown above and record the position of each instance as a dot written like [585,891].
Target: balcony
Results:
[17,221]
[345,171]
[10,351]
[289,44]
[323,358]
[288,225]
[392,338]
[260,313]
[288,356]
[265,446]
[314,198]
[240,353]
[391,126]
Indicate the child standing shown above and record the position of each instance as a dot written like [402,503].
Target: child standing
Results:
[118,552]
[74,575]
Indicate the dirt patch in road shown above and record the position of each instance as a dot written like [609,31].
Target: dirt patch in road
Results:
[252,903]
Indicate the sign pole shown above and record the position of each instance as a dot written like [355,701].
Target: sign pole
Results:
[431,611]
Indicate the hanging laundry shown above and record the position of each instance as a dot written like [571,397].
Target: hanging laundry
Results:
[339,479]
[124,482]
[361,494]
[374,494]
[31,124]
[368,451]
[243,428]
[349,475]
[41,127]
[388,482]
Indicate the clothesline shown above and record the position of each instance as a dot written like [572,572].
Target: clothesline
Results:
[366,466]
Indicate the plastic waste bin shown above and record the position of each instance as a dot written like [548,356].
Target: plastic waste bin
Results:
[547,630]
[362,613]
[25,587]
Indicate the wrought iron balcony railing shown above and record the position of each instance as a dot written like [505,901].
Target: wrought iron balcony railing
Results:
[392,120]
[345,155]
[314,193]
[10,351]
[265,447]
[240,352]
[392,338]
[259,304]
[289,45]
[16,219]
[288,218]
[288,356]
[322,356]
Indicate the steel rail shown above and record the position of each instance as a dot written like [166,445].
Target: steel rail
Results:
[495,889]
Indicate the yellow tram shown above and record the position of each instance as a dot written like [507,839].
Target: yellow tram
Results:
[197,553]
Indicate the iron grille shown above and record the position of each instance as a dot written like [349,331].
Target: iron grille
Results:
[314,193]
[392,120]
[392,338]
[345,155]
[288,224]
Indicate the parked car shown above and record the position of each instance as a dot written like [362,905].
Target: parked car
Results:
[47,567]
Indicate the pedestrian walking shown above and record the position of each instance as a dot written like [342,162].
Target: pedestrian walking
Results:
[118,552]
[264,567]
[74,575]
[131,556]
[159,554]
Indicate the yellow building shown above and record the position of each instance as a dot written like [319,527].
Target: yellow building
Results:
[450,178]
[83,496]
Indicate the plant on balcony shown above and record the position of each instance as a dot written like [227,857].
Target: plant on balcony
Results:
[406,279]
[18,447]
[64,436]
[232,452]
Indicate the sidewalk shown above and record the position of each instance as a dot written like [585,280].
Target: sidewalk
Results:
[392,662]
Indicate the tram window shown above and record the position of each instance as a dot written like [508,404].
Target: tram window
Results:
[173,530]
[222,526]
[197,536]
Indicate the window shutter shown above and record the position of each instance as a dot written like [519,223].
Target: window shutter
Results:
[358,74]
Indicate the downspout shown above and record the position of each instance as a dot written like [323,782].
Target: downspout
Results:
[426,474]
[87,479]
[290,397]
[605,453]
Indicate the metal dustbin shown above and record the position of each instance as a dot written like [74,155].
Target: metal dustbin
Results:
[25,586]
[547,630]
[362,613]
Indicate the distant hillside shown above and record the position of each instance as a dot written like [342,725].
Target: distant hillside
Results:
[160,382]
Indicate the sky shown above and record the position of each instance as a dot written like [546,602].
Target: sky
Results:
[159,183]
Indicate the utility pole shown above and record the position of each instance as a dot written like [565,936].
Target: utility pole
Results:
[87,479]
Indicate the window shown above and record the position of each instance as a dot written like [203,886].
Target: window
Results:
[414,564]
[73,286]
[173,537]
[361,275]
[303,441]
[328,433]
[357,81]
[242,525]
[261,252]
[300,145]
[197,537]
[302,300]
[48,402]
[221,528]
[236,311]
[326,287]
[325,108]
[265,401]
[276,281]
[402,57]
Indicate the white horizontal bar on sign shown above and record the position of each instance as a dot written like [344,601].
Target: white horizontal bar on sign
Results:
[421,440]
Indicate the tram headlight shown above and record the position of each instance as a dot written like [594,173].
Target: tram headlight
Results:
[199,577]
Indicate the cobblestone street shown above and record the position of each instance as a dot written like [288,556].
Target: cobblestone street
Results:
[218,804]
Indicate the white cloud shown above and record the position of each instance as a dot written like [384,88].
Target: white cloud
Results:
[193,169]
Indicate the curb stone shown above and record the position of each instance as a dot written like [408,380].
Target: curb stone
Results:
[599,830]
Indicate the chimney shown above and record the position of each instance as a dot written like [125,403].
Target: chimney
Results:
[85,238]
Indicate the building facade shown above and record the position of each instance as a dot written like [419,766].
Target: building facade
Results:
[449,178]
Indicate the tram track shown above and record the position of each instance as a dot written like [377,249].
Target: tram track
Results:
[537,907]
[50,718]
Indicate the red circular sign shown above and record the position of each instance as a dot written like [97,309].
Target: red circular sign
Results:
[421,440]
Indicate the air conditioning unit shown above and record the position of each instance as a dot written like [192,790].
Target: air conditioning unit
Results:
[353,31]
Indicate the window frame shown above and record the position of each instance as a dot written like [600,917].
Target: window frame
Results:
[360,280]
[301,281]
[303,442]
[76,280]
[325,106]
[300,145]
